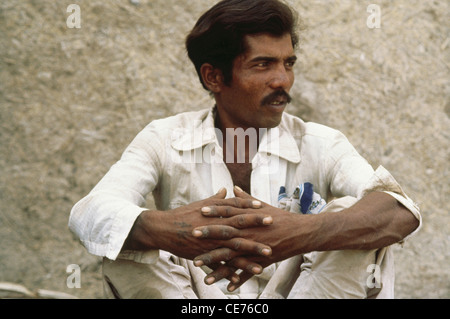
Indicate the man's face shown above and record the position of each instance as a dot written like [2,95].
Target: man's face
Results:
[262,79]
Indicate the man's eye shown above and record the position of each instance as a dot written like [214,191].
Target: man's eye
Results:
[262,64]
[290,64]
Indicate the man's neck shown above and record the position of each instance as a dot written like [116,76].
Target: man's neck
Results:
[240,144]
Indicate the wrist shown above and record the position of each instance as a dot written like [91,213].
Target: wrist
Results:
[311,233]
[143,234]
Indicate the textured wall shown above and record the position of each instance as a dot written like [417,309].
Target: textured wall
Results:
[72,99]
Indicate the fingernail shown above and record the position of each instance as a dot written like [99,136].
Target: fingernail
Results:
[256,270]
[267,220]
[198,263]
[206,210]
[231,288]
[197,233]
[238,188]
[266,251]
[256,204]
[221,190]
[210,280]
[235,279]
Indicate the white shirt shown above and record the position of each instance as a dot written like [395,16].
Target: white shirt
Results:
[179,160]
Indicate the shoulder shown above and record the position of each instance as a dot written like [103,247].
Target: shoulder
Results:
[180,120]
[162,131]
[154,140]
[300,129]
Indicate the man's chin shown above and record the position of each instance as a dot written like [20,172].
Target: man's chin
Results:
[272,122]
[276,108]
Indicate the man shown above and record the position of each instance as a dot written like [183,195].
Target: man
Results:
[215,176]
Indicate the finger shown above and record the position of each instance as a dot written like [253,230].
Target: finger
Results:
[227,211]
[241,202]
[248,247]
[246,265]
[229,272]
[221,232]
[221,194]
[229,205]
[215,256]
[230,258]
[240,193]
[222,271]
[233,248]
[250,220]
[244,276]
[238,218]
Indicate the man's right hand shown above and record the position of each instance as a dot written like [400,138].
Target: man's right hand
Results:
[172,230]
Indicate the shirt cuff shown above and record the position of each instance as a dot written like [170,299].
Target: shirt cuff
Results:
[412,207]
[121,227]
[383,181]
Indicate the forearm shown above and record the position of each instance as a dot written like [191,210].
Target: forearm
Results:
[376,221]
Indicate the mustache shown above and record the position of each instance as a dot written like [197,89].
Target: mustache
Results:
[275,95]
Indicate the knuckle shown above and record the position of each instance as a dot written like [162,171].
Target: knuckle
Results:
[241,221]
[205,232]
[260,220]
[207,259]
[226,233]
[228,211]
[215,211]
[210,211]
[258,249]
[237,244]
[223,254]
[218,274]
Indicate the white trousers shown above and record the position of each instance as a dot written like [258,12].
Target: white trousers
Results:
[324,275]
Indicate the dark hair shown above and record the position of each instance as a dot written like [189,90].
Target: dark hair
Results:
[218,36]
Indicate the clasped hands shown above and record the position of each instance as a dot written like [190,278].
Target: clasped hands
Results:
[247,234]
[227,235]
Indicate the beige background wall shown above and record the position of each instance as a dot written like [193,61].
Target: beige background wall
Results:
[72,99]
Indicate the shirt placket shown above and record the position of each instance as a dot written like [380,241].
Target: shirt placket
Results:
[268,174]
[220,176]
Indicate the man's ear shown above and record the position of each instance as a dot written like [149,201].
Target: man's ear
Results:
[212,77]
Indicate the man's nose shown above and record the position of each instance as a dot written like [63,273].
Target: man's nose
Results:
[282,78]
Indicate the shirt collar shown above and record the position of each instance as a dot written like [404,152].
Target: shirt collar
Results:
[280,142]
[201,131]
[197,132]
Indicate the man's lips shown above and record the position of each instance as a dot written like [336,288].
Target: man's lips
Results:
[279,102]
[277,98]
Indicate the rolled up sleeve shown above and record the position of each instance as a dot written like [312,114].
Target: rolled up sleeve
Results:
[352,175]
[383,181]
[103,219]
